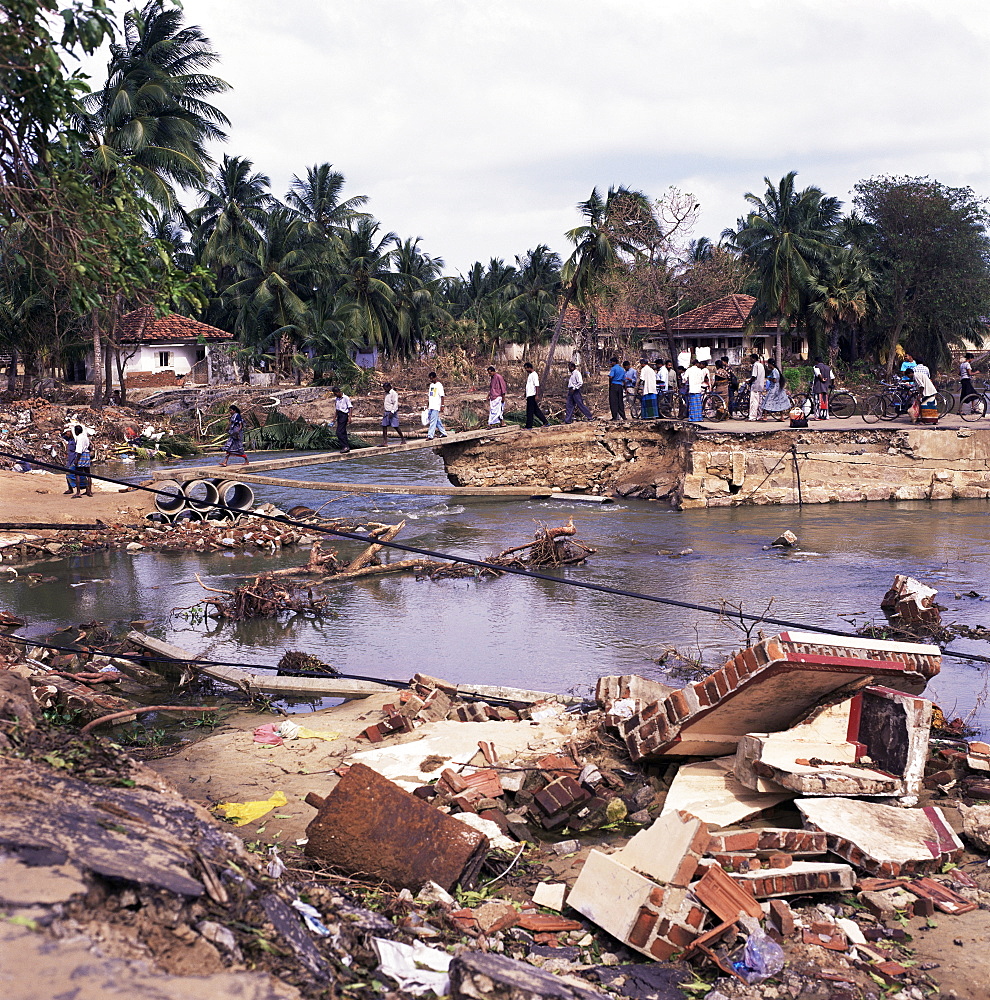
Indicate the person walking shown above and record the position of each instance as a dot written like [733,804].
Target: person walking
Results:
[821,386]
[70,462]
[342,410]
[235,437]
[434,406]
[575,400]
[648,378]
[616,399]
[533,394]
[629,383]
[390,417]
[699,381]
[776,400]
[722,379]
[497,390]
[757,386]
[967,390]
[81,436]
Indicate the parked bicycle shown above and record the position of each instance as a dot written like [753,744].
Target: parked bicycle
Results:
[895,399]
[841,404]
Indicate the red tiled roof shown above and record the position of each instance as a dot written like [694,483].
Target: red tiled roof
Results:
[727,313]
[142,325]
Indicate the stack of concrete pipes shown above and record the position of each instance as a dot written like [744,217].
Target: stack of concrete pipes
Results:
[194,500]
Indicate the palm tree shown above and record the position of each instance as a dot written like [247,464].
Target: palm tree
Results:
[615,226]
[417,287]
[537,286]
[235,203]
[317,200]
[789,237]
[363,278]
[842,297]
[152,113]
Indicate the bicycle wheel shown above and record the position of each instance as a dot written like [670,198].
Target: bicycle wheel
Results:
[713,407]
[977,408]
[878,408]
[943,403]
[841,404]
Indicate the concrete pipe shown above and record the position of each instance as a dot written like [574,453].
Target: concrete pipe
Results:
[157,517]
[201,494]
[169,499]
[234,494]
[187,514]
[219,514]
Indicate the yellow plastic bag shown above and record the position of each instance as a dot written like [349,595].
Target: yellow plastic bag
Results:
[247,812]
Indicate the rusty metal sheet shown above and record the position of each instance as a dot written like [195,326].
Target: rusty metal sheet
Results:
[371,826]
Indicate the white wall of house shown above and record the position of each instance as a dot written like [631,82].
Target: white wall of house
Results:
[178,358]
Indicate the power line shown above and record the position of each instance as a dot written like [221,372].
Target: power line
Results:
[722,612]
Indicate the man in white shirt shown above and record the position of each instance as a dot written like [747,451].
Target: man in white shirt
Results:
[533,394]
[923,380]
[342,409]
[757,386]
[390,417]
[574,396]
[699,381]
[434,408]
[648,378]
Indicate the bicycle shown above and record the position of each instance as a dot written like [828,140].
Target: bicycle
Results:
[841,404]
[896,399]
[671,405]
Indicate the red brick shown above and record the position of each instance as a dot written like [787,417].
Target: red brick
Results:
[780,861]
[701,841]
[782,917]
[774,650]
[743,840]
[711,689]
[680,936]
[656,896]
[546,923]
[662,950]
[731,674]
[752,664]
[702,695]
[721,683]
[685,871]
[642,928]
[374,734]
[679,703]
[650,711]
[695,918]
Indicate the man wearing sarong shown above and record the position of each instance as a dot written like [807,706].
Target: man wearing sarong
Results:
[496,398]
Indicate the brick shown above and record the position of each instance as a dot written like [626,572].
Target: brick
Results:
[743,840]
[752,664]
[656,896]
[685,871]
[721,683]
[695,918]
[374,734]
[782,917]
[662,950]
[679,704]
[642,928]
[680,936]
[731,674]
[780,861]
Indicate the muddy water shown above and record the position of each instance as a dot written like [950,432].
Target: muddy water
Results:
[549,635]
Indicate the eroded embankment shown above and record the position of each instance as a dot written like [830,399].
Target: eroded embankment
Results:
[695,467]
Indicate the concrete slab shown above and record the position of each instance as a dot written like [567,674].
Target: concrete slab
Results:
[882,839]
[798,879]
[709,790]
[610,894]
[669,849]
[768,688]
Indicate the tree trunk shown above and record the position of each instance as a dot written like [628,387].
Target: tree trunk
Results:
[107,370]
[119,358]
[669,336]
[94,318]
[779,352]
[552,350]
[12,372]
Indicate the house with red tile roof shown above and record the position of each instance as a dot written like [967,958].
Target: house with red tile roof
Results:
[170,345]
[719,326]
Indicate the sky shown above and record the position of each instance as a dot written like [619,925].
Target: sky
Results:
[479,125]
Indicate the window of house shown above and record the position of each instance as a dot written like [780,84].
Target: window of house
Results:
[164,359]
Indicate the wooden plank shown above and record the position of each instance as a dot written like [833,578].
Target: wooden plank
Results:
[582,497]
[324,457]
[159,647]
[405,489]
[514,694]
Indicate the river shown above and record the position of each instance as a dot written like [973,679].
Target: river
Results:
[548,635]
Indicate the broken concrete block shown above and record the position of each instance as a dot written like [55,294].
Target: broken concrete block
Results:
[882,839]
[830,753]
[476,975]
[495,916]
[358,828]
[709,790]
[550,895]
[800,878]
[669,850]
[767,688]
[976,826]
[786,540]
[910,603]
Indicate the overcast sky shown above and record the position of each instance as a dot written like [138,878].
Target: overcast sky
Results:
[478,125]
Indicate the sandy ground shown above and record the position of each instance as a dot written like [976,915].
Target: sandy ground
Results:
[38,498]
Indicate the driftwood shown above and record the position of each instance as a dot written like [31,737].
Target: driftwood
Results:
[141,711]
[260,599]
[550,547]
[380,535]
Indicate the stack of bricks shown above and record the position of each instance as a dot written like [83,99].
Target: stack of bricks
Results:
[655,729]
[634,691]
[393,722]
[741,850]
[799,878]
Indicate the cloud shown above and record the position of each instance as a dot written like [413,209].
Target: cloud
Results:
[479,126]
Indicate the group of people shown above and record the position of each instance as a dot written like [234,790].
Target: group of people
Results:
[78,461]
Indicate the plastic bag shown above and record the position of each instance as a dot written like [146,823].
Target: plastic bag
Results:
[762,957]
[424,417]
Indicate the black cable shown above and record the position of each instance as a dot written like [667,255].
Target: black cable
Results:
[516,571]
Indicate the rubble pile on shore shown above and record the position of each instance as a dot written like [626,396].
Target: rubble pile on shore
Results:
[792,825]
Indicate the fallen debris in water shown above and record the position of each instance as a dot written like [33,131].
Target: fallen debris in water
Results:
[263,598]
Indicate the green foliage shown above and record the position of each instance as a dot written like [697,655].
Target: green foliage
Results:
[279,433]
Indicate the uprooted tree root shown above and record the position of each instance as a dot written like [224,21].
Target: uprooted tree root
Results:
[550,547]
[265,597]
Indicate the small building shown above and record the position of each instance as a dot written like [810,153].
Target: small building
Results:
[163,350]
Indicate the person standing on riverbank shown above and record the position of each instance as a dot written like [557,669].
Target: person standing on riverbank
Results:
[757,386]
[648,377]
[70,461]
[533,394]
[575,400]
[390,418]
[434,408]
[81,437]
[821,387]
[497,390]
[630,381]
[616,380]
[967,390]
[342,409]
[699,381]
[235,437]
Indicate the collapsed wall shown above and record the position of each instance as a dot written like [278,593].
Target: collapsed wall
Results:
[701,467]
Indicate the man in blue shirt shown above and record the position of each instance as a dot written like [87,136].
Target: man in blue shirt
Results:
[616,384]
